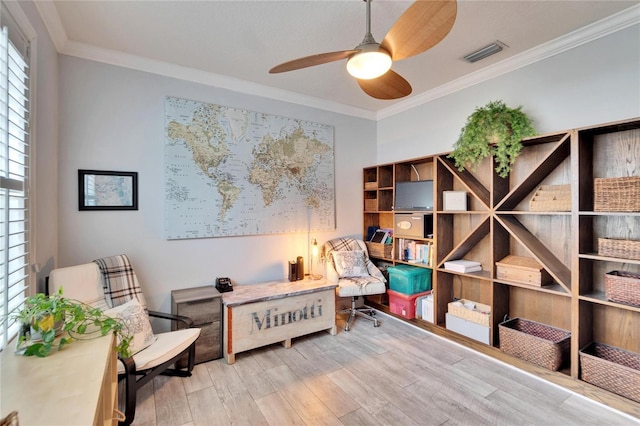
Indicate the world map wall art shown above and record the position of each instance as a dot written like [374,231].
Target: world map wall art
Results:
[229,171]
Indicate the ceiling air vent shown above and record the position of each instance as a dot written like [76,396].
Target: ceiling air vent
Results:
[485,52]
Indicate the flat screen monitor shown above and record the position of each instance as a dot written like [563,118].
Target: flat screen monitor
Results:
[414,195]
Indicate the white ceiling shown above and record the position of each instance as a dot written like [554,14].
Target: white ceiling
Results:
[234,43]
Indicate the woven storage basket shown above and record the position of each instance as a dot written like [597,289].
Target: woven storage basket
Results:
[613,369]
[379,250]
[622,287]
[551,198]
[480,314]
[617,194]
[624,249]
[534,342]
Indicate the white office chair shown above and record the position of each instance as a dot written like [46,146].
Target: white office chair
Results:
[347,263]
[114,284]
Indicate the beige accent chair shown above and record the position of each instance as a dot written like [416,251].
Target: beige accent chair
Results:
[84,283]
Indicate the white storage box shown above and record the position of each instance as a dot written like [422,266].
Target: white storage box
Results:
[454,200]
[426,308]
[467,328]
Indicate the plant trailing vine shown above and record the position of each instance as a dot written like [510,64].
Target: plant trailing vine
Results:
[493,130]
[52,322]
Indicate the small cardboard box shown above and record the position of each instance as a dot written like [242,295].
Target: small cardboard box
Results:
[524,270]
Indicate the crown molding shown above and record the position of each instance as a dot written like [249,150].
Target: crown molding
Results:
[52,22]
[166,69]
[599,29]
[591,32]
[21,19]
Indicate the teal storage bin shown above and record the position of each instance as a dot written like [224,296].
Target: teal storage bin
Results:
[409,279]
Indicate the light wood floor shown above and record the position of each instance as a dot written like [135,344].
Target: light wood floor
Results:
[391,375]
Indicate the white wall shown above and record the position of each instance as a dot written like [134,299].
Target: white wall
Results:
[595,83]
[112,118]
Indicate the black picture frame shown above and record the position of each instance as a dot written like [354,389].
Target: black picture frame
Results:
[119,190]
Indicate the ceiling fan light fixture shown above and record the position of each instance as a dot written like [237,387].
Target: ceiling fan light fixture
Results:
[369,64]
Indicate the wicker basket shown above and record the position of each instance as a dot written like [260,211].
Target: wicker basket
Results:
[617,194]
[623,249]
[480,314]
[622,287]
[379,250]
[613,369]
[551,198]
[534,342]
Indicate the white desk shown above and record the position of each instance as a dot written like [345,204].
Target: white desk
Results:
[75,386]
[261,314]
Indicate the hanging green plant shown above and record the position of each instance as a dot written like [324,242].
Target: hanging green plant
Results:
[494,129]
[49,322]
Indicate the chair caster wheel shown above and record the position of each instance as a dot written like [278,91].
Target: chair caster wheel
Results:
[346,328]
[376,323]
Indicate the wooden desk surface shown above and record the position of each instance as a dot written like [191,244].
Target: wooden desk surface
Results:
[251,293]
[60,389]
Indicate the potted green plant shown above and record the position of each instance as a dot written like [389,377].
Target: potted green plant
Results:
[494,129]
[51,322]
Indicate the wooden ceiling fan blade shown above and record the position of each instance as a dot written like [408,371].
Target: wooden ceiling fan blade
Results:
[423,25]
[390,85]
[309,61]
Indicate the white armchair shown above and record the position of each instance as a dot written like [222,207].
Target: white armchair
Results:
[347,263]
[159,352]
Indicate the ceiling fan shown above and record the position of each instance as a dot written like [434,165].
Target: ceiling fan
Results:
[423,25]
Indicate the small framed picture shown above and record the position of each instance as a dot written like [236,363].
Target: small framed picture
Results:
[107,190]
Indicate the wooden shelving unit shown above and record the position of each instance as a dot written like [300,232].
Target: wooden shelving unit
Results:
[378,197]
[499,223]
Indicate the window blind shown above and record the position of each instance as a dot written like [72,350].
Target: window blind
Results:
[14,172]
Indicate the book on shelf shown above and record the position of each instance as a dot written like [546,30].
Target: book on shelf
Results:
[389,232]
[415,251]
[463,265]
